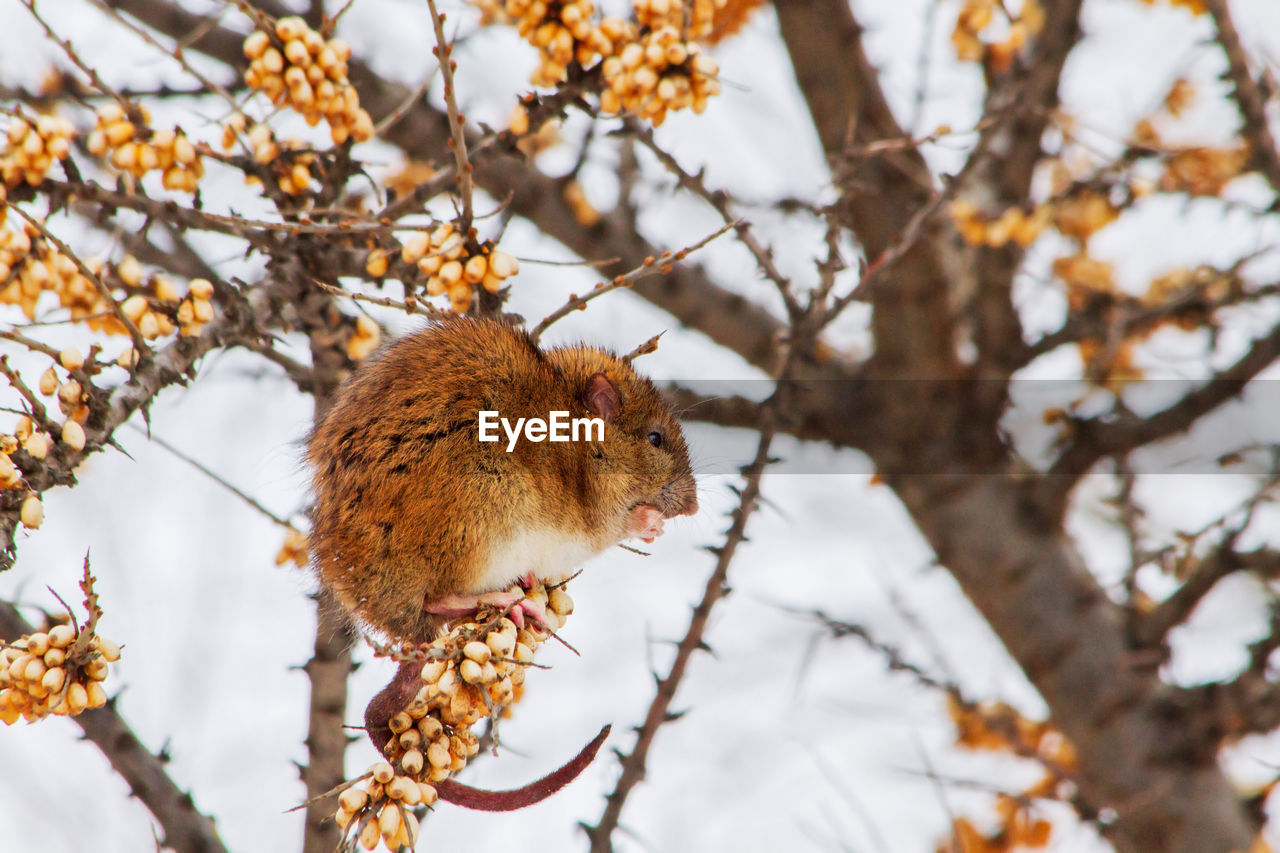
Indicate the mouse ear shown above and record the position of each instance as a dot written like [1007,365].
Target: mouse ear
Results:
[602,397]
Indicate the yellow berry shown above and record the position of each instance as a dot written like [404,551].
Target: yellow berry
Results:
[32,512]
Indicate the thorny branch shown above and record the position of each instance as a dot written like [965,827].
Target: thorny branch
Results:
[651,266]
[720,202]
[457,139]
[1248,95]
[659,713]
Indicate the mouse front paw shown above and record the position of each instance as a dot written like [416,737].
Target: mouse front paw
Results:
[455,604]
[511,601]
[526,609]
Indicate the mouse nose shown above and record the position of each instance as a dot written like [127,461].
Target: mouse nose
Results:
[682,495]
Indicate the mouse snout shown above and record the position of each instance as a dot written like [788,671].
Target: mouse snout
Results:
[680,497]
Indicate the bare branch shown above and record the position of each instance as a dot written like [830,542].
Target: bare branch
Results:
[457,137]
[328,670]
[1248,96]
[720,202]
[217,478]
[650,266]
[206,84]
[1093,441]
[659,713]
[73,56]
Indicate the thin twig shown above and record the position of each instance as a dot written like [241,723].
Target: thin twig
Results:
[719,200]
[404,106]
[458,139]
[74,57]
[651,266]
[38,411]
[409,307]
[1248,95]
[213,475]
[176,53]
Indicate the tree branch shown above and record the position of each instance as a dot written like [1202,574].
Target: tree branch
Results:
[1263,152]
[1222,562]
[911,320]
[1023,100]
[1138,753]
[633,764]
[1094,441]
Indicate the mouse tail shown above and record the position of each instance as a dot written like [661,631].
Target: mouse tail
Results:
[517,798]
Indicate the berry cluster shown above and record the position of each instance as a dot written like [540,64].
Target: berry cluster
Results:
[196,309]
[137,150]
[289,161]
[1012,225]
[31,514]
[294,549]
[295,66]
[32,148]
[379,808]
[562,33]
[1202,171]
[659,73]
[474,671]
[973,21]
[139,308]
[443,256]
[72,398]
[58,672]
[31,265]
[696,20]
[651,65]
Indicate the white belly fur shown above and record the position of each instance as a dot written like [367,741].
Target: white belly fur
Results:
[549,553]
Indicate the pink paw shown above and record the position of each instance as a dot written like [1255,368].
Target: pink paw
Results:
[536,613]
[513,602]
[454,605]
[644,522]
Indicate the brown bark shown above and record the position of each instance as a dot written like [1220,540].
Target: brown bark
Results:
[327,739]
[912,324]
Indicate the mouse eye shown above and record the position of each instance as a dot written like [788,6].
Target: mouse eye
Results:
[655,438]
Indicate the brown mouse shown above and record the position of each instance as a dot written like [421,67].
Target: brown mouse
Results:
[417,520]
